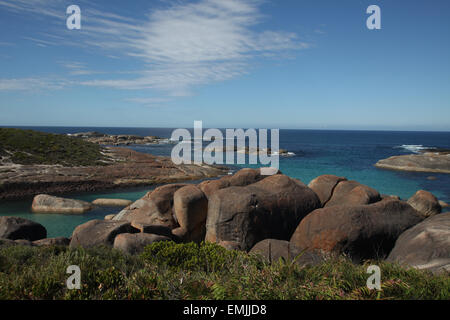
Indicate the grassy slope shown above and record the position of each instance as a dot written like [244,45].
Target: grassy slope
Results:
[33,147]
[186,271]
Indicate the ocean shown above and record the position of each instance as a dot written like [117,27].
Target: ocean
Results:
[351,154]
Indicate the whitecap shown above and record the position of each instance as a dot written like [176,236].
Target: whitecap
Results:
[416,148]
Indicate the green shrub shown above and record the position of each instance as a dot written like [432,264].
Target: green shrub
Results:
[207,256]
[34,147]
[166,270]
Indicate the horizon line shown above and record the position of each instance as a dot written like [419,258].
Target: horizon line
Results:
[141,127]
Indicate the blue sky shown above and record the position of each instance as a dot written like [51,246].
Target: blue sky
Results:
[274,64]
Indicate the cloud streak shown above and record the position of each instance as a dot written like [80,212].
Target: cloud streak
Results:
[181,46]
[189,45]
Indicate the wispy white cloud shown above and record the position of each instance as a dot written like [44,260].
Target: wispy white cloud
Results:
[181,46]
[32,84]
[41,8]
[40,42]
[191,44]
[76,68]
[150,102]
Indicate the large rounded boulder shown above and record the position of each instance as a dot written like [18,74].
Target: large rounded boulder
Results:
[99,233]
[426,245]
[425,202]
[362,232]
[106,202]
[155,208]
[59,241]
[352,193]
[15,228]
[324,186]
[191,208]
[133,243]
[273,250]
[243,177]
[44,203]
[270,208]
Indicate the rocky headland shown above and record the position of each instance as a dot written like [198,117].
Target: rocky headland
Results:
[125,168]
[117,140]
[34,163]
[428,160]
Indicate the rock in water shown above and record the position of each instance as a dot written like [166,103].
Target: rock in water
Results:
[112,202]
[362,232]
[133,243]
[43,203]
[99,232]
[425,162]
[270,208]
[426,245]
[15,228]
[425,202]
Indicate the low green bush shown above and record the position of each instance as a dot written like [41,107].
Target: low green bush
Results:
[208,257]
[34,147]
[166,270]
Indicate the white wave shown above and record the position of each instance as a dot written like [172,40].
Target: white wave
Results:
[416,148]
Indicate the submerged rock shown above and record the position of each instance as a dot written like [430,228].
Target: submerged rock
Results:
[44,203]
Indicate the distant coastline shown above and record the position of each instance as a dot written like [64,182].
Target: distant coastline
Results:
[34,163]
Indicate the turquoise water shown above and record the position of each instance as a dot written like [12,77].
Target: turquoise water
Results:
[63,224]
[351,154]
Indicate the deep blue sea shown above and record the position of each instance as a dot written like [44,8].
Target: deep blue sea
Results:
[351,154]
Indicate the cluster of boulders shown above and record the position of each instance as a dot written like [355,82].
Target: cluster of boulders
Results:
[281,217]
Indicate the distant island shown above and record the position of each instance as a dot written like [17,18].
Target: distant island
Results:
[428,160]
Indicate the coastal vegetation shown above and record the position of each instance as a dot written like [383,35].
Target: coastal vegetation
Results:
[166,270]
[30,147]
